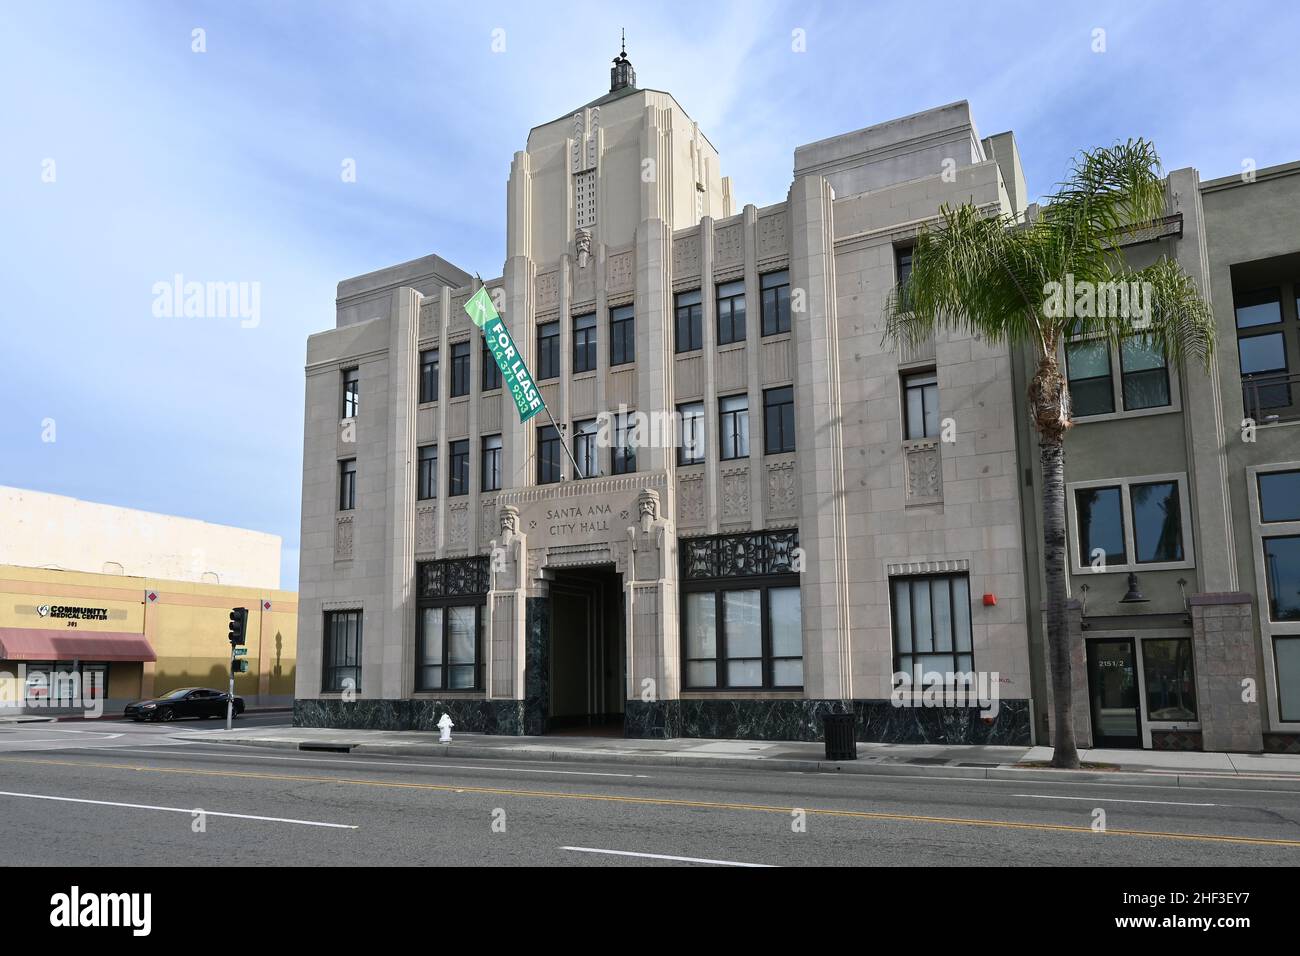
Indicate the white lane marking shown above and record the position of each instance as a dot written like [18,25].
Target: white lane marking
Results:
[189,810]
[344,758]
[899,777]
[1100,799]
[661,856]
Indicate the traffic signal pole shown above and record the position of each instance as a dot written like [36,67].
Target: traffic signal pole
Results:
[238,628]
[230,697]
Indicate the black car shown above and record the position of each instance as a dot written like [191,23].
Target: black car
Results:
[187,702]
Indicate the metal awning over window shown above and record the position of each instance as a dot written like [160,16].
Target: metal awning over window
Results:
[43,644]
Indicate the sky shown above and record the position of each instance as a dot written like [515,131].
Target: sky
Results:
[128,157]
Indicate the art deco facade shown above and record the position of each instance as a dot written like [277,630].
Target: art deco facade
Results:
[739,583]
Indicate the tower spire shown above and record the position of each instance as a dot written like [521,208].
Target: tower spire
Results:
[621,75]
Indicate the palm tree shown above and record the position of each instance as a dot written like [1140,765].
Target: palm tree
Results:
[1000,279]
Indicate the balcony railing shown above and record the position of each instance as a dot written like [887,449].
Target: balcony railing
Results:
[1272,398]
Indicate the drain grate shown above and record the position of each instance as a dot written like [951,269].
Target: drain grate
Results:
[327,748]
[929,761]
[986,765]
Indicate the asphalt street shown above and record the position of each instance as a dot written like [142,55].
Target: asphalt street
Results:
[131,794]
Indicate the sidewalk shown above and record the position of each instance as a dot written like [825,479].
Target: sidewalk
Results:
[1151,768]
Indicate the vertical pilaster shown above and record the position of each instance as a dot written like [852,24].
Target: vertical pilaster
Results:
[398,633]
[709,356]
[654,342]
[1223,649]
[753,356]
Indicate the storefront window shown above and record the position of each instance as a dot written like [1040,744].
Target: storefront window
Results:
[1170,683]
[1287,657]
[1282,566]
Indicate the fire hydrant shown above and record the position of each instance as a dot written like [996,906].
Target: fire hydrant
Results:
[445,724]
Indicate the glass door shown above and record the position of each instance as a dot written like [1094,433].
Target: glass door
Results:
[1113,693]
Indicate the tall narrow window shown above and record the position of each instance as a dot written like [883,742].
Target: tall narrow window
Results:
[1087,365]
[1282,570]
[491,371]
[458,473]
[689,321]
[548,350]
[733,426]
[460,369]
[903,269]
[931,623]
[449,638]
[584,343]
[624,451]
[1100,514]
[341,652]
[731,312]
[429,375]
[622,335]
[778,420]
[584,448]
[1279,496]
[427,481]
[548,455]
[347,484]
[491,463]
[690,443]
[1157,522]
[351,392]
[775,287]
[921,405]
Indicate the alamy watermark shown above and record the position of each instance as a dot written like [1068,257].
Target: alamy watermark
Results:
[53,689]
[948,689]
[179,299]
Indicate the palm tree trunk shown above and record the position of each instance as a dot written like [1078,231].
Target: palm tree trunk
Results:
[1051,453]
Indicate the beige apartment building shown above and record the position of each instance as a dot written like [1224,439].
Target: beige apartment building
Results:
[822,514]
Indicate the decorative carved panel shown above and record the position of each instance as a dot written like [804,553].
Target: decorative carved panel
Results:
[728,246]
[782,489]
[771,236]
[488,526]
[458,525]
[430,318]
[343,538]
[775,361]
[924,472]
[732,367]
[735,494]
[619,272]
[426,528]
[548,291]
[758,554]
[455,576]
[686,256]
[690,499]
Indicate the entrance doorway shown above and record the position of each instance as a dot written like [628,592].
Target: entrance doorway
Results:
[1113,693]
[588,659]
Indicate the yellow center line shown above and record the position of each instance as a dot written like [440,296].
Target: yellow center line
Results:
[663,802]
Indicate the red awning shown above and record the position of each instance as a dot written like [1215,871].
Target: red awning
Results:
[39,644]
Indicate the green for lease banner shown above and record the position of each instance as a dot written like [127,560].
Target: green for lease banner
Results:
[514,373]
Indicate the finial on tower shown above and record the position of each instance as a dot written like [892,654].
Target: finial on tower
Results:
[621,75]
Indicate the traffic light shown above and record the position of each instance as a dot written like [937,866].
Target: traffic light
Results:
[238,625]
[239,666]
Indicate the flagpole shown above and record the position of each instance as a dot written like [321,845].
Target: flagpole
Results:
[576,470]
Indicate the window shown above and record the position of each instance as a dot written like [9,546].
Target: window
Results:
[1157,522]
[548,455]
[1171,685]
[690,442]
[1286,655]
[347,484]
[931,620]
[1263,359]
[584,343]
[733,426]
[1087,365]
[449,642]
[778,420]
[1131,523]
[731,312]
[921,405]
[622,335]
[548,350]
[1101,525]
[624,451]
[689,321]
[429,375]
[775,305]
[491,377]
[427,480]
[491,463]
[1260,307]
[460,369]
[351,392]
[1144,372]
[1282,568]
[744,637]
[341,652]
[584,448]
[903,269]
[458,474]
[1279,496]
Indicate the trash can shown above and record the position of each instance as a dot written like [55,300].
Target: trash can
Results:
[838,731]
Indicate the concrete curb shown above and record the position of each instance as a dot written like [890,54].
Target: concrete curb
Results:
[859,768]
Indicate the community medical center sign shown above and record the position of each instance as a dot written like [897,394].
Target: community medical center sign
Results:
[528,400]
